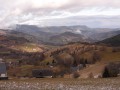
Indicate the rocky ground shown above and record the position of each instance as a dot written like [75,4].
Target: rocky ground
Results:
[61,84]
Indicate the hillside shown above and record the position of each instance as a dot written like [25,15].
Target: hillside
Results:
[93,58]
[86,51]
[104,35]
[23,55]
[66,38]
[16,50]
[114,41]
[19,43]
[31,38]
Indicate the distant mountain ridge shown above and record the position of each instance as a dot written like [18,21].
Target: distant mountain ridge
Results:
[65,34]
[104,35]
[53,35]
[67,37]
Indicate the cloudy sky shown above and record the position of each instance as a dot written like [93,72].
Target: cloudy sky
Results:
[93,13]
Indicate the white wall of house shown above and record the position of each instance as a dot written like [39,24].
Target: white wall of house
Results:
[3,75]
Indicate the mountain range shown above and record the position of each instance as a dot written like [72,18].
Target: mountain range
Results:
[31,47]
[60,35]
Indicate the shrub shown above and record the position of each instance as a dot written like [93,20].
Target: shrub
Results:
[91,75]
[96,57]
[106,73]
[102,48]
[116,49]
[76,75]
[59,71]
[111,70]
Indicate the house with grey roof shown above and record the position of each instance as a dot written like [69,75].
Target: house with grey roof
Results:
[42,73]
[3,71]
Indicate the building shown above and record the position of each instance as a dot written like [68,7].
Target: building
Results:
[3,71]
[42,73]
[1,60]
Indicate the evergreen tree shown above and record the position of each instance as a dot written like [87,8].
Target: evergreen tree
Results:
[106,73]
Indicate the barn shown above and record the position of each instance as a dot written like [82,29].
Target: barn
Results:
[42,73]
[3,71]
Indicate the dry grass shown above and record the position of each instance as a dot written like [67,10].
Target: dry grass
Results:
[111,56]
[28,47]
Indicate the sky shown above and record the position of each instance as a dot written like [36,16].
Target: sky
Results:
[93,13]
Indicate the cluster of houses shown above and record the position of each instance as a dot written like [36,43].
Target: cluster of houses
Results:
[42,73]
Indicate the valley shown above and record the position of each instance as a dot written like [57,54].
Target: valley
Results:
[59,45]
[80,59]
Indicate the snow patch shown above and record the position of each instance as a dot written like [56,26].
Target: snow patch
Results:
[78,31]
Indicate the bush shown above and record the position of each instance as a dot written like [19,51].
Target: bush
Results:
[102,48]
[111,70]
[91,75]
[96,57]
[76,75]
[59,71]
[116,49]
[106,73]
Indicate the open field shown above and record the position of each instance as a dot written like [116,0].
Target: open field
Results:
[61,84]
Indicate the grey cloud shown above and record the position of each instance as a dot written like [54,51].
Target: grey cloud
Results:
[24,11]
[91,21]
